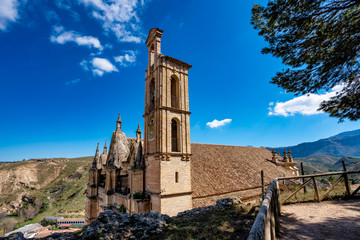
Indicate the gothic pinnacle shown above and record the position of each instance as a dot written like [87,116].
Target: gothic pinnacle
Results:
[97,150]
[105,147]
[118,123]
[138,129]
[138,133]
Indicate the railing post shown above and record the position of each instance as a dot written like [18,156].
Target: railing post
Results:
[276,210]
[268,224]
[316,189]
[346,179]
[302,173]
[278,197]
[262,185]
[272,217]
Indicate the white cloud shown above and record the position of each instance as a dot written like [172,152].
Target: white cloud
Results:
[216,123]
[118,16]
[62,37]
[84,65]
[63,4]
[104,65]
[126,59]
[72,81]
[98,72]
[304,105]
[68,5]
[98,66]
[8,12]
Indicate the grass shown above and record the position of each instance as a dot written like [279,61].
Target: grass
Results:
[227,223]
[336,193]
[61,195]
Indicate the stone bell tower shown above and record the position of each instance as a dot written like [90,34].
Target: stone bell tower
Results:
[167,130]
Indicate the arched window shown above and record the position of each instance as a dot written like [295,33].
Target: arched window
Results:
[175,136]
[174,93]
[152,95]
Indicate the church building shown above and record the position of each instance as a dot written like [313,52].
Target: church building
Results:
[164,171]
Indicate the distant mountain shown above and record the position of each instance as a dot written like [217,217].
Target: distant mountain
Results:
[348,133]
[346,144]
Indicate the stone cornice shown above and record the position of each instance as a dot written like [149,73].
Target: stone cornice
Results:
[152,33]
[177,61]
[170,109]
[175,194]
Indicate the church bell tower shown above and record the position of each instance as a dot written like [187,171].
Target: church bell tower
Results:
[167,130]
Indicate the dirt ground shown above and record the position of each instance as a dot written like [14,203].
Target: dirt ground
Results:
[326,220]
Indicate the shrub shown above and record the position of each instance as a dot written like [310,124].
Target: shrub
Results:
[122,209]
[138,195]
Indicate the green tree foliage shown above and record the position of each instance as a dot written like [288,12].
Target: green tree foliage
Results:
[320,41]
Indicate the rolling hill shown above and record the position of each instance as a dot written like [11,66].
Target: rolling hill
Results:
[33,189]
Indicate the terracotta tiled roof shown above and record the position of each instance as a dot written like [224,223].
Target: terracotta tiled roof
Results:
[48,233]
[71,220]
[219,169]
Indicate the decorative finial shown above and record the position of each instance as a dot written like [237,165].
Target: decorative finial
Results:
[274,156]
[138,129]
[285,157]
[138,133]
[118,123]
[290,157]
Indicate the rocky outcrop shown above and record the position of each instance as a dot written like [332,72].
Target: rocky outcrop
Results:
[221,203]
[113,225]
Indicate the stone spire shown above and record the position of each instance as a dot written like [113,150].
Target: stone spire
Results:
[118,124]
[138,133]
[105,148]
[285,156]
[119,147]
[103,156]
[97,150]
[96,158]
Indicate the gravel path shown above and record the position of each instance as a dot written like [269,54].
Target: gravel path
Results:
[326,220]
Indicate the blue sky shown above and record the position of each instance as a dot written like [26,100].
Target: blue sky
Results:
[67,68]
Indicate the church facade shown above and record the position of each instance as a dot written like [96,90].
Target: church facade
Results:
[164,171]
